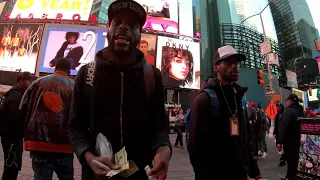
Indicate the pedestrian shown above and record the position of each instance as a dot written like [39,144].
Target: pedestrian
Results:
[280,110]
[46,106]
[289,137]
[254,127]
[264,126]
[180,126]
[11,126]
[122,97]
[217,114]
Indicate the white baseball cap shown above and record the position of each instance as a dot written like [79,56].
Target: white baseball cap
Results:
[225,52]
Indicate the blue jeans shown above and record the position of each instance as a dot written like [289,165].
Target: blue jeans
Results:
[43,165]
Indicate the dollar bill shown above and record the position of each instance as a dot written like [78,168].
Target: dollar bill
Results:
[121,157]
[133,168]
[115,172]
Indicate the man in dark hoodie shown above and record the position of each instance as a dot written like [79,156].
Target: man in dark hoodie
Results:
[229,129]
[119,105]
[288,136]
[11,126]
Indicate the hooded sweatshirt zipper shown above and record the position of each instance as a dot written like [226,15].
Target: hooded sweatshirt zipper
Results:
[121,102]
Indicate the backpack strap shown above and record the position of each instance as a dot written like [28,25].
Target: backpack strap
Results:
[214,102]
[149,79]
[89,88]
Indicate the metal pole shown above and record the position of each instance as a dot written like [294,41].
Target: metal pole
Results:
[263,30]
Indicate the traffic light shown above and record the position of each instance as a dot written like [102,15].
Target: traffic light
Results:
[260,77]
[310,91]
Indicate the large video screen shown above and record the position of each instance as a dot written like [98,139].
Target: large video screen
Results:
[162,13]
[79,44]
[179,62]
[148,46]
[19,46]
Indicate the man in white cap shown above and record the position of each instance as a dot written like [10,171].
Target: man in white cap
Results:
[217,115]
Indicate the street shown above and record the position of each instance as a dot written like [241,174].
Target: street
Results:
[180,168]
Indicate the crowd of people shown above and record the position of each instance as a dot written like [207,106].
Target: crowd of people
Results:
[55,116]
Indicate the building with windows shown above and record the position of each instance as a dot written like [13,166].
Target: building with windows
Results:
[100,9]
[295,29]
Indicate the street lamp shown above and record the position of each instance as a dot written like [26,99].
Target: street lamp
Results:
[270,77]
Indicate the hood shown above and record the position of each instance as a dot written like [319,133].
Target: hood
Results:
[213,82]
[15,89]
[141,60]
[296,105]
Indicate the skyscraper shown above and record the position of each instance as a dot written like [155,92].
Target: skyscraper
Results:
[295,29]
[100,9]
[239,13]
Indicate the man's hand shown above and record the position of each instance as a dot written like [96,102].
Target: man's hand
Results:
[279,147]
[161,163]
[100,165]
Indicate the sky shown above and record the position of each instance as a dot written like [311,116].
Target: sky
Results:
[255,6]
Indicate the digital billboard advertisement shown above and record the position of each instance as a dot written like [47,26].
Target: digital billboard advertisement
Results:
[162,15]
[148,46]
[179,62]
[79,44]
[68,8]
[19,46]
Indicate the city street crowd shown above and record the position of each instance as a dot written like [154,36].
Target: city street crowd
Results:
[116,104]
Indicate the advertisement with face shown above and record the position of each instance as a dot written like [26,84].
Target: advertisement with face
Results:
[79,44]
[162,15]
[148,46]
[179,62]
[19,46]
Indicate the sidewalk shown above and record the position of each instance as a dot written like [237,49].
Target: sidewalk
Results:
[180,168]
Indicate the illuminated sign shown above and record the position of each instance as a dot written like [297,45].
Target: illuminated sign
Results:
[20,44]
[79,44]
[51,8]
[179,62]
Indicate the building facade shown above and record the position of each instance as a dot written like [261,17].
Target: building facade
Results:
[100,9]
[295,29]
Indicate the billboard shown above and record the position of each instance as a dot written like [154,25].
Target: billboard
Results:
[179,62]
[148,46]
[162,15]
[315,95]
[19,46]
[51,8]
[2,6]
[79,44]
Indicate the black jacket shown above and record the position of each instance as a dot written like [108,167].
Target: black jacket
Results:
[12,122]
[229,154]
[143,122]
[277,119]
[288,126]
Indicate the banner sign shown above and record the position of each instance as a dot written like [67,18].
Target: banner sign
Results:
[19,46]
[50,9]
[179,62]
[79,44]
[309,151]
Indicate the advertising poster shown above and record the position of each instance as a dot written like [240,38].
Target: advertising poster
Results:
[315,95]
[291,79]
[79,44]
[179,62]
[148,46]
[301,95]
[19,46]
[309,152]
[51,8]
[162,14]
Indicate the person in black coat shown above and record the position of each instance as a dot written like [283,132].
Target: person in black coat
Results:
[280,109]
[70,49]
[288,136]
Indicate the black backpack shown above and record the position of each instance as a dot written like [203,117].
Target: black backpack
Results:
[258,117]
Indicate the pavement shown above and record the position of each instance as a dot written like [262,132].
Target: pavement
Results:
[179,169]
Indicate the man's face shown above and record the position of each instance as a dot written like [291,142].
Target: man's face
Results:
[72,39]
[25,83]
[144,48]
[124,34]
[228,69]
